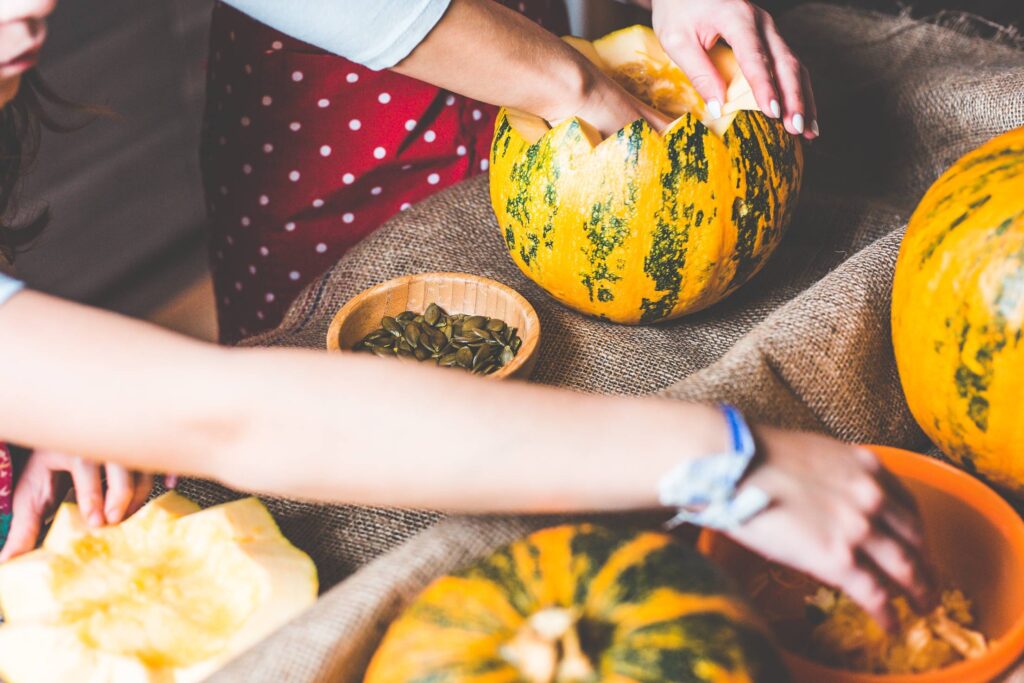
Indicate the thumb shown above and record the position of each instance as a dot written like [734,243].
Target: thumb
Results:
[686,51]
[32,496]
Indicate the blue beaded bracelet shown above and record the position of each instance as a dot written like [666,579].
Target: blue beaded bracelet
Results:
[704,490]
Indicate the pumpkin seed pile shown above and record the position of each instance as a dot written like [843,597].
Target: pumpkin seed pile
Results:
[476,343]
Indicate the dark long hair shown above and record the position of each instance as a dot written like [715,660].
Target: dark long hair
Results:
[21,125]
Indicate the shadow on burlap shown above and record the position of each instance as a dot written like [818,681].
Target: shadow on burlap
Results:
[805,344]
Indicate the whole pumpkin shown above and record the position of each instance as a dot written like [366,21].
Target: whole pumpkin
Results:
[958,311]
[643,227]
[169,595]
[580,604]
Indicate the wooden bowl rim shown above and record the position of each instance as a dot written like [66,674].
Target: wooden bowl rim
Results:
[525,353]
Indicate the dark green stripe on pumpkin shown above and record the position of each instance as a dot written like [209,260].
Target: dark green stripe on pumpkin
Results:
[752,212]
[709,637]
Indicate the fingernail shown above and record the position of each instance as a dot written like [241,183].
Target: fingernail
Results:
[814,127]
[715,109]
[96,518]
[775,109]
[798,123]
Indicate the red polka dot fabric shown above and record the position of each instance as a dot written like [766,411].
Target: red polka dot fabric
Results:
[305,153]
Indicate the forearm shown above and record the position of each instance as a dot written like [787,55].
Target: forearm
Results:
[343,428]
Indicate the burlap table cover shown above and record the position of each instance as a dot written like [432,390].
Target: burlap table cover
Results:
[805,344]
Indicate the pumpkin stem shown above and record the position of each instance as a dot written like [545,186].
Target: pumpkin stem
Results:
[547,648]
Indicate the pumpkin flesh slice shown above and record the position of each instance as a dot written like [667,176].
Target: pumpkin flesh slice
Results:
[169,595]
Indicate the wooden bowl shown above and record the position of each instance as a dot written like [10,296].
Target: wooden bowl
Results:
[976,543]
[455,293]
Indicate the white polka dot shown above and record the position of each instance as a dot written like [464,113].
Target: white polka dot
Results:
[230,240]
[277,45]
[355,124]
[477,115]
[227,88]
[243,331]
[231,36]
[260,315]
[290,226]
[294,176]
[264,251]
[224,190]
[450,100]
[220,255]
[348,178]
[238,286]
[318,203]
[376,191]
[217,56]
[294,275]
[267,100]
[461,150]
[352,77]
[268,148]
[246,121]
[384,98]
[379,153]
[223,141]
[323,103]
[430,136]
[406,167]
[433,179]
[264,200]
[348,217]
[484,164]
[248,69]
[410,124]
[246,221]
[247,169]
[325,151]
[252,270]
[269,298]
[295,126]
[321,248]
[227,301]
[405,206]
[297,76]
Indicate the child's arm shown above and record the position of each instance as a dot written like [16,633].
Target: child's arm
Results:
[357,429]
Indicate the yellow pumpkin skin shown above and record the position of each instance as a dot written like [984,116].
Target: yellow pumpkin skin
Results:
[649,610]
[958,311]
[643,227]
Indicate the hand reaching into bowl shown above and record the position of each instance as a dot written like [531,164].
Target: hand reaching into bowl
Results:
[839,516]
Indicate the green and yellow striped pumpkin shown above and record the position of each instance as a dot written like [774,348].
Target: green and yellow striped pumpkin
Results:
[580,604]
[958,311]
[643,227]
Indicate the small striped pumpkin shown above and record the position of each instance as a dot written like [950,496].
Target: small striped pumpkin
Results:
[643,227]
[958,311]
[580,604]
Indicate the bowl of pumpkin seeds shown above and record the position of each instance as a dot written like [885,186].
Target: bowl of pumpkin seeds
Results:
[451,320]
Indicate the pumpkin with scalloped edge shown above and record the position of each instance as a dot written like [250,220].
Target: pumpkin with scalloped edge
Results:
[580,604]
[167,596]
[645,226]
[958,311]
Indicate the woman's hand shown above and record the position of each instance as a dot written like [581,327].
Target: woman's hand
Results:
[837,515]
[42,486]
[689,28]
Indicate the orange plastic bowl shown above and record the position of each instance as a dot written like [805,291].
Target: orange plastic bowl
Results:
[976,541]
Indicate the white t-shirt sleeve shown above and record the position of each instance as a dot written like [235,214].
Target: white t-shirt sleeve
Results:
[375,33]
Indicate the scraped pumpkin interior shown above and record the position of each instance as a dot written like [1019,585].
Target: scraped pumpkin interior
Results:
[634,58]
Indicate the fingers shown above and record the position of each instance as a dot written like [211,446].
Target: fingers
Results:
[686,51]
[88,483]
[901,565]
[755,60]
[793,81]
[34,496]
[120,493]
[864,587]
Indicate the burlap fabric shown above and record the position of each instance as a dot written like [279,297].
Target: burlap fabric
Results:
[806,344]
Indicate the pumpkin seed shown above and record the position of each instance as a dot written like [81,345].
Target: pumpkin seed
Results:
[476,343]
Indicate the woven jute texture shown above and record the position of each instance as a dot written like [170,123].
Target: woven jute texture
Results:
[805,344]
